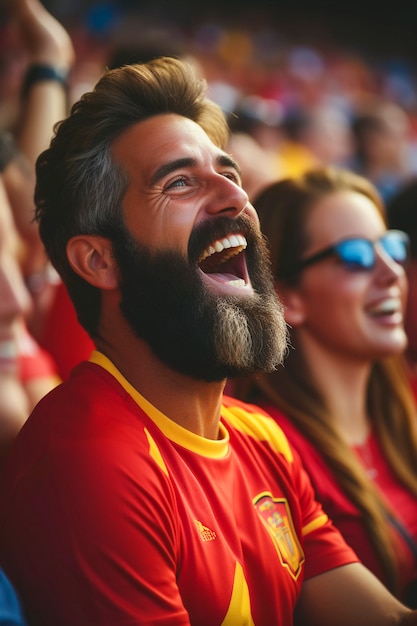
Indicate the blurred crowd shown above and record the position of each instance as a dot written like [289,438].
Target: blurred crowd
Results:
[291,103]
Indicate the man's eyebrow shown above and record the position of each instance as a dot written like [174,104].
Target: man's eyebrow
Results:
[228,161]
[167,168]
[171,166]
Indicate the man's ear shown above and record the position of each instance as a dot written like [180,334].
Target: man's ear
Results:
[91,257]
[292,300]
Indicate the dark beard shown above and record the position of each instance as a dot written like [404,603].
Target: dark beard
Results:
[191,330]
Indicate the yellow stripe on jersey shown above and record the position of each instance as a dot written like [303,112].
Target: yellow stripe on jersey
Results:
[316,523]
[211,448]
[255,424]
[260,427]
[239,611]
[155,454]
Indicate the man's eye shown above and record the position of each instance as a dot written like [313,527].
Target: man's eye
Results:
[233,176]
[178,182]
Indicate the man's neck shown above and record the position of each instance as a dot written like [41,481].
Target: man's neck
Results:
[193,404]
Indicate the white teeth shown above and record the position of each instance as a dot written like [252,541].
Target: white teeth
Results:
[239,282]
[391,305]
[8,350]
[236,243]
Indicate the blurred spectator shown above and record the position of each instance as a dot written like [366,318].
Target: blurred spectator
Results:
[327,135]
[402,214]
[384,150]
[257,165]
[48,56]
[342,396]
[26,371]
[318,135]
[256,136]
[288,142]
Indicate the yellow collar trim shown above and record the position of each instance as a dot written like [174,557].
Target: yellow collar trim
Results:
[176,433]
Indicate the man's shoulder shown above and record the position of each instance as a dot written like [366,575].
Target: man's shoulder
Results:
[256,423]
[89,405]
[87,382]
[237,406]
[89,417]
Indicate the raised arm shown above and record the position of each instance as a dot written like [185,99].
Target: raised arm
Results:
[50,57]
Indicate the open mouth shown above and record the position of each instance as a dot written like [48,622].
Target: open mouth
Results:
[224,260]
[8,355]
[390,306]
[388,312]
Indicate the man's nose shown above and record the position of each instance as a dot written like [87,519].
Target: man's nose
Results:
[226,197]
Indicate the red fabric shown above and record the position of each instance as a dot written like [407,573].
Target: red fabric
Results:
[34,361]
[346,517]
[63,336]
[130,524]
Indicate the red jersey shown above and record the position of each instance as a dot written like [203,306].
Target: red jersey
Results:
[112,514]
[345,515]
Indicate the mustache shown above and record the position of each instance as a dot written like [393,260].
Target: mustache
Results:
[205,233]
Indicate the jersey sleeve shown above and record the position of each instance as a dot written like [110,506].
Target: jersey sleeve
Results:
[103,539]
[324,546]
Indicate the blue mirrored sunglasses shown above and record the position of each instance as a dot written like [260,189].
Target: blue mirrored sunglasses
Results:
[358,254]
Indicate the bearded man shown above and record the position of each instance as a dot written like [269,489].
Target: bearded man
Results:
[137,493]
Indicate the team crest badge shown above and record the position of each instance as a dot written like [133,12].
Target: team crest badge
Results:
[276,516]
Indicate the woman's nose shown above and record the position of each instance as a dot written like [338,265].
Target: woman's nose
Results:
[387,266]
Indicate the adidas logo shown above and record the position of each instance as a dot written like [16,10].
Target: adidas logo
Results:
[205,533]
